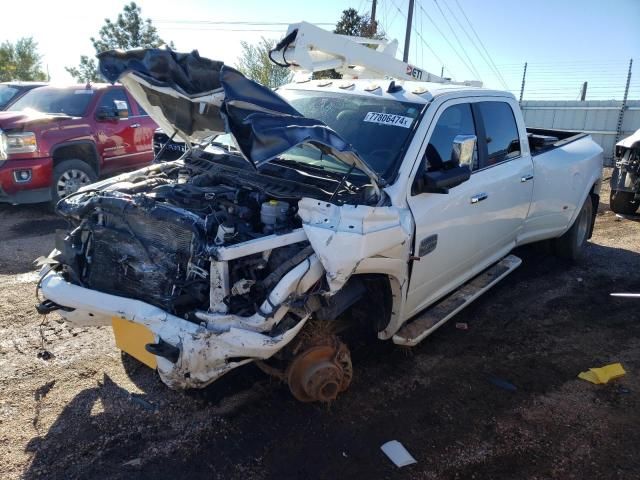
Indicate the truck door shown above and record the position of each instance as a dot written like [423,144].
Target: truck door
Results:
[445,224]
[460,233]
[116,136]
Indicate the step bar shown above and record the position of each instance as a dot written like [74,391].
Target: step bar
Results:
[430,319]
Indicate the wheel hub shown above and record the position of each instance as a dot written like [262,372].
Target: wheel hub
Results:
[320,372]
[70,181]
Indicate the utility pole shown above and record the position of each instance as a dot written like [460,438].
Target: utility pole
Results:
[524,76]
[407,36]
[374,4]
[442,72]
[583,92]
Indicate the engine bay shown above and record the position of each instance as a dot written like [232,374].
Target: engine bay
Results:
[152,235]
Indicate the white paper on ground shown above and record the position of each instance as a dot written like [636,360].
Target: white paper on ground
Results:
[397,453]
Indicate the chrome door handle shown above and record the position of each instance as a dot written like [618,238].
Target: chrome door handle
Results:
[135,125]
[479,197]
[526,178]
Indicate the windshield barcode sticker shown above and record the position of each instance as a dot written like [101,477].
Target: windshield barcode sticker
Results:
[388,119]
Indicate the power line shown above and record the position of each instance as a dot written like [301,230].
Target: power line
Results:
[220,22]
[447,40]
[481,43]
[495,71]
[224,29]
[457,39]
[419,35]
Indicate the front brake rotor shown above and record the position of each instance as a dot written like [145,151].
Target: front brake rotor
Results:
[321,371]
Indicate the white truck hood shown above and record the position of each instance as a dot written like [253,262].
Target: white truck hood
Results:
[630,141]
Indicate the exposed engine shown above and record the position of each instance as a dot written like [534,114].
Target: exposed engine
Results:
[151,236]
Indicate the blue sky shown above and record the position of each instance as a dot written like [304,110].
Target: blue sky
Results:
[565,42]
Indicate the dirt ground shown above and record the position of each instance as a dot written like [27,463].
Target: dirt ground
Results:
[70,407]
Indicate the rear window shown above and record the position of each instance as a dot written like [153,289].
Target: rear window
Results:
[63,101]
[503,141]
[7,92]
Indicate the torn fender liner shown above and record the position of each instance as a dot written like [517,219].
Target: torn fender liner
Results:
[197,97]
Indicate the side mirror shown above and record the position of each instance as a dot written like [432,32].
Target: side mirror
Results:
[462,150]
[122,111]
[454,172]
[442,180]
[118,112]
[105,113]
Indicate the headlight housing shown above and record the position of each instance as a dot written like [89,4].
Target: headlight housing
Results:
[20,142]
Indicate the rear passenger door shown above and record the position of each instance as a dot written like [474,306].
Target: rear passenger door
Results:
[145,127]
[505,172]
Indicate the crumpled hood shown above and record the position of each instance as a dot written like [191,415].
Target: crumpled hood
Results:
[632,141]
[196,97]
[18,120]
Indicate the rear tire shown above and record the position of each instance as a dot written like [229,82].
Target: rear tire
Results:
[623,202]
[571,245]
[68,177]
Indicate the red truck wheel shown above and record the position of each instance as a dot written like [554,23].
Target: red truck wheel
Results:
[69,176]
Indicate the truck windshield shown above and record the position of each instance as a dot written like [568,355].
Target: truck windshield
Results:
[377,128]
[7,92]
[62,101]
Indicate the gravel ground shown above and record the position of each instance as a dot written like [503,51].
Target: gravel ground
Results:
[71,407]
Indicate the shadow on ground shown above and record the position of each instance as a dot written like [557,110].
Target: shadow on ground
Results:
[537,329]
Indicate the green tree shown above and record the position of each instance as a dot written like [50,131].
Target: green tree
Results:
[353,24]
[254,63]
[86,71]
[128,31]
[20,61]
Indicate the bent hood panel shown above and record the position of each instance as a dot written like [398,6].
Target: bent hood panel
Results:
[632,141]
[197,97]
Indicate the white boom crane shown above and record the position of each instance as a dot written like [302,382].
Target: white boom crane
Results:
[306,49]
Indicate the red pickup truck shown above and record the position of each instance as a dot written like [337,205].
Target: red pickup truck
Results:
[54,140]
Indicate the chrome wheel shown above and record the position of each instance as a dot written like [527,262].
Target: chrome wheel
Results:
[70,181]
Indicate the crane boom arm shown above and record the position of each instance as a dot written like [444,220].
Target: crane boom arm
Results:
[307,49]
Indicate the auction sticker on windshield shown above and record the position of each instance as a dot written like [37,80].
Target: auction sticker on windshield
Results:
[388,119]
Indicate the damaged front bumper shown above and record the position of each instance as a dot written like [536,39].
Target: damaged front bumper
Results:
[207,350]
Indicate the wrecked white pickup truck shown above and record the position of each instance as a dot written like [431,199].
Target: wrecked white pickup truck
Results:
[342,201]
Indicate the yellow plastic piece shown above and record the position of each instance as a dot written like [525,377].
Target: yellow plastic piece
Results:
[603,375]
[131,337]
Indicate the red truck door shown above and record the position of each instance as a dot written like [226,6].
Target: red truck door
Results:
[118,139]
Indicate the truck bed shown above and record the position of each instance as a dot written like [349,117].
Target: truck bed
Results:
[542,140]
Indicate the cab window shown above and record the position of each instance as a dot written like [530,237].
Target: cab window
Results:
[455,120]
[501,131]
[110,97]
[141,111]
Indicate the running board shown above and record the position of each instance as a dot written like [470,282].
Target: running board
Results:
[436,315]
